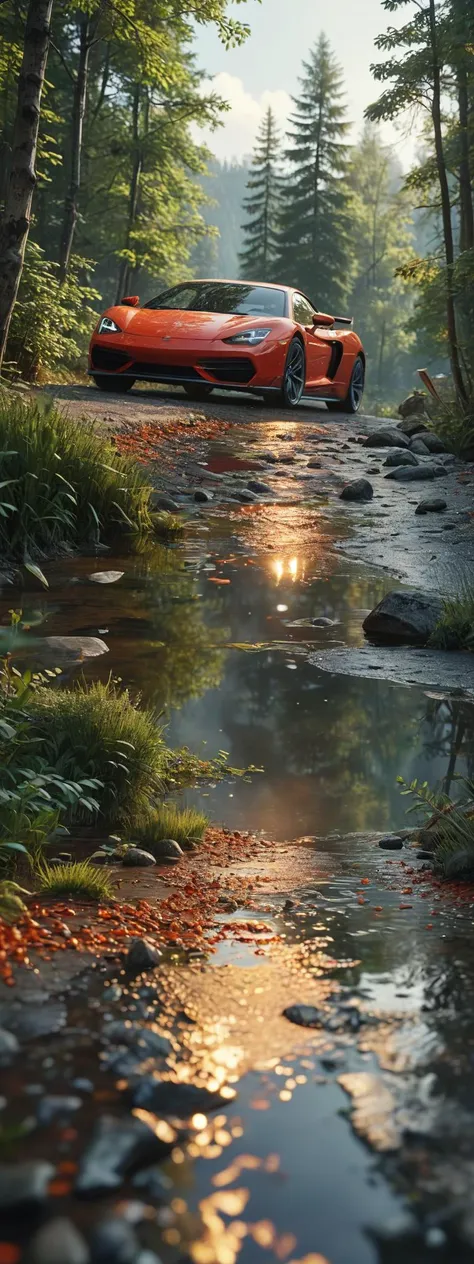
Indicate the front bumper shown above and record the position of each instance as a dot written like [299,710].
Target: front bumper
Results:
[170,362]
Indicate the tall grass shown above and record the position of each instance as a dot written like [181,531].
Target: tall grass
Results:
[98,730]
[455,628]
[63,486]
[80,880]
[185,825]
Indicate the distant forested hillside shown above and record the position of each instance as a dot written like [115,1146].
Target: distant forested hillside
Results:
[225,184]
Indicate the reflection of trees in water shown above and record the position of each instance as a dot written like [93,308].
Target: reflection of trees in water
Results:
[452,735]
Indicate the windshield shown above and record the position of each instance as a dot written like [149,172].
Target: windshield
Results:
[219,296]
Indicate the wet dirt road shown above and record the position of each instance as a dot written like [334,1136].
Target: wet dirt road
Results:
[350,1142]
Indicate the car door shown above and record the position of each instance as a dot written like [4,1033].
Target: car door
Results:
[318,344]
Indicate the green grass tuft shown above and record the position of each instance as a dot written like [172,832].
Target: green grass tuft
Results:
[455,628]
[167,525]
[185,825]
[80,880]
[64,486]
[96,730]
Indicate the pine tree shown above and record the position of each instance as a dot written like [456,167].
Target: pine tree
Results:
[261,204]
[315,249]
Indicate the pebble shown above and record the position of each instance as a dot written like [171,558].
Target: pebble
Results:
[142,956]
[118,1146]
[82,1085]
[358,490]
[303,1015]
[143,1040]
[60,1107]
[391,842]
[314,464]
[180,1100]
[106,577]
[135,857]
[255,485]
[24,1183]
[435,1237]
[167,849]
[432,504]
[201,496]
[58,1242]
[113,1241]
[9,1046]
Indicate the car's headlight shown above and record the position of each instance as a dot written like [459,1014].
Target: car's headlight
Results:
[108,326]
[251,337]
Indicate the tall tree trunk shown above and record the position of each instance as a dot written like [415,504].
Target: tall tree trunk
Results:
[445,211]
[77,127]
[465,182]
[15,223]
[126,269]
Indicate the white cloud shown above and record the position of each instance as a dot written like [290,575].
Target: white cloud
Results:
[236,138]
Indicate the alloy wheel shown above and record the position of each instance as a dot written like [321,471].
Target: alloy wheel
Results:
[357,384]
[294,373]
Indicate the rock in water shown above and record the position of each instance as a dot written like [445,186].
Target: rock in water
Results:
[391,842]
[201,496]
[432,504]
[359,490]
[58,1242]
[136,858]
[144,1042]
[161,501]
[255,485]
[106,577]
[61,650]
[167,850]
[57,1107]
[142,956]
[24,1184]
[420,474]
[8,1047]
[419,447]
[116,1148]
[399,457]
[386,438]
[114,1241]
[404,616]
[176,1100]
[313,464]
[433,443]
[304,1015]
[323,622]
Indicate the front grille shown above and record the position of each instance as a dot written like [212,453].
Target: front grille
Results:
[236,369]
[144,368]
[104,358]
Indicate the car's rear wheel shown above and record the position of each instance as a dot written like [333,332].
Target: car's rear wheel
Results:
[294,377]
[112,382]
[353,399]
[197,390]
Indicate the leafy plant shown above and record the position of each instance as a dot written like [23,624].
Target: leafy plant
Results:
[451,827]
[80,880]
[51,323]
[11,904]
[185,825]
[63,486]
[455,628]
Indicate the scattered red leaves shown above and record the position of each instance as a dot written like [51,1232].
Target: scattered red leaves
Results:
[145,442]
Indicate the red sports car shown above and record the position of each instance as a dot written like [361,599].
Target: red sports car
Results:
[233,335]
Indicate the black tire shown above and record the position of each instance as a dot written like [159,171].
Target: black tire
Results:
[294,377]
[197,390]
[353,399]
[112,382]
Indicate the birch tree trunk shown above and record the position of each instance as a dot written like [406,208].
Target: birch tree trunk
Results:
[15,222]
[77,127]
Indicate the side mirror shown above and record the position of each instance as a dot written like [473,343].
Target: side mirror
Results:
[322,318]
[132,300]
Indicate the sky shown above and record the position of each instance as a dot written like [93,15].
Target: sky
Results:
[265,70]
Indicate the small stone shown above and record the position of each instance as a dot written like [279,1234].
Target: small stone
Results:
[388,437]
[9,1046]
[22,1184]
[255,485]
[144,1041]
[246,497]
[405,616]
[413,425]
[323,622]
[435,1237]
[136,858]
[433,443]
[398,457]
[60,650]
[413,405]
[175,1100]
[82,1085]
[313,464]
[424,855]
[418,474]
[154,1183]
[391,842]
[58,1242]
[304,1015]
[359,490]
[105,577]
[113,1241]
[118,1146]
[167,850]
[161,501]
[56,1107]
[432,504]
[201,496]
[142,956]
[419,447]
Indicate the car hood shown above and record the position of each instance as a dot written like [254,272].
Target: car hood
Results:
[146,323]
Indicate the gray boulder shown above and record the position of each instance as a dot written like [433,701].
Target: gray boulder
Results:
[246,497]
[62,650]
[388,437]
[399,457]
[142,956]
[413,425]
[201,496]
[433,443]
[176,1100]
[255,485]
[414,404]
[419,447]
[58,1242]
[24,1184]
[160,500]
[117,1147]
[304,1015]
[415,474]
[404,616]
[391,842]
[460,864]
[136,858]
[432,504]
[167,850]
[359,490]
[314,464]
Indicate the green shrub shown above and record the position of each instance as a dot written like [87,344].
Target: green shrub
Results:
[81,880]
[62,486]
[455,628]
[51,323]
[451,827]
[185,825]
[97,728]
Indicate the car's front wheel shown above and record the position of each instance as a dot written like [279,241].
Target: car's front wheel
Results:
[353,399]
[197,390]
[112,382]
[294,376]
